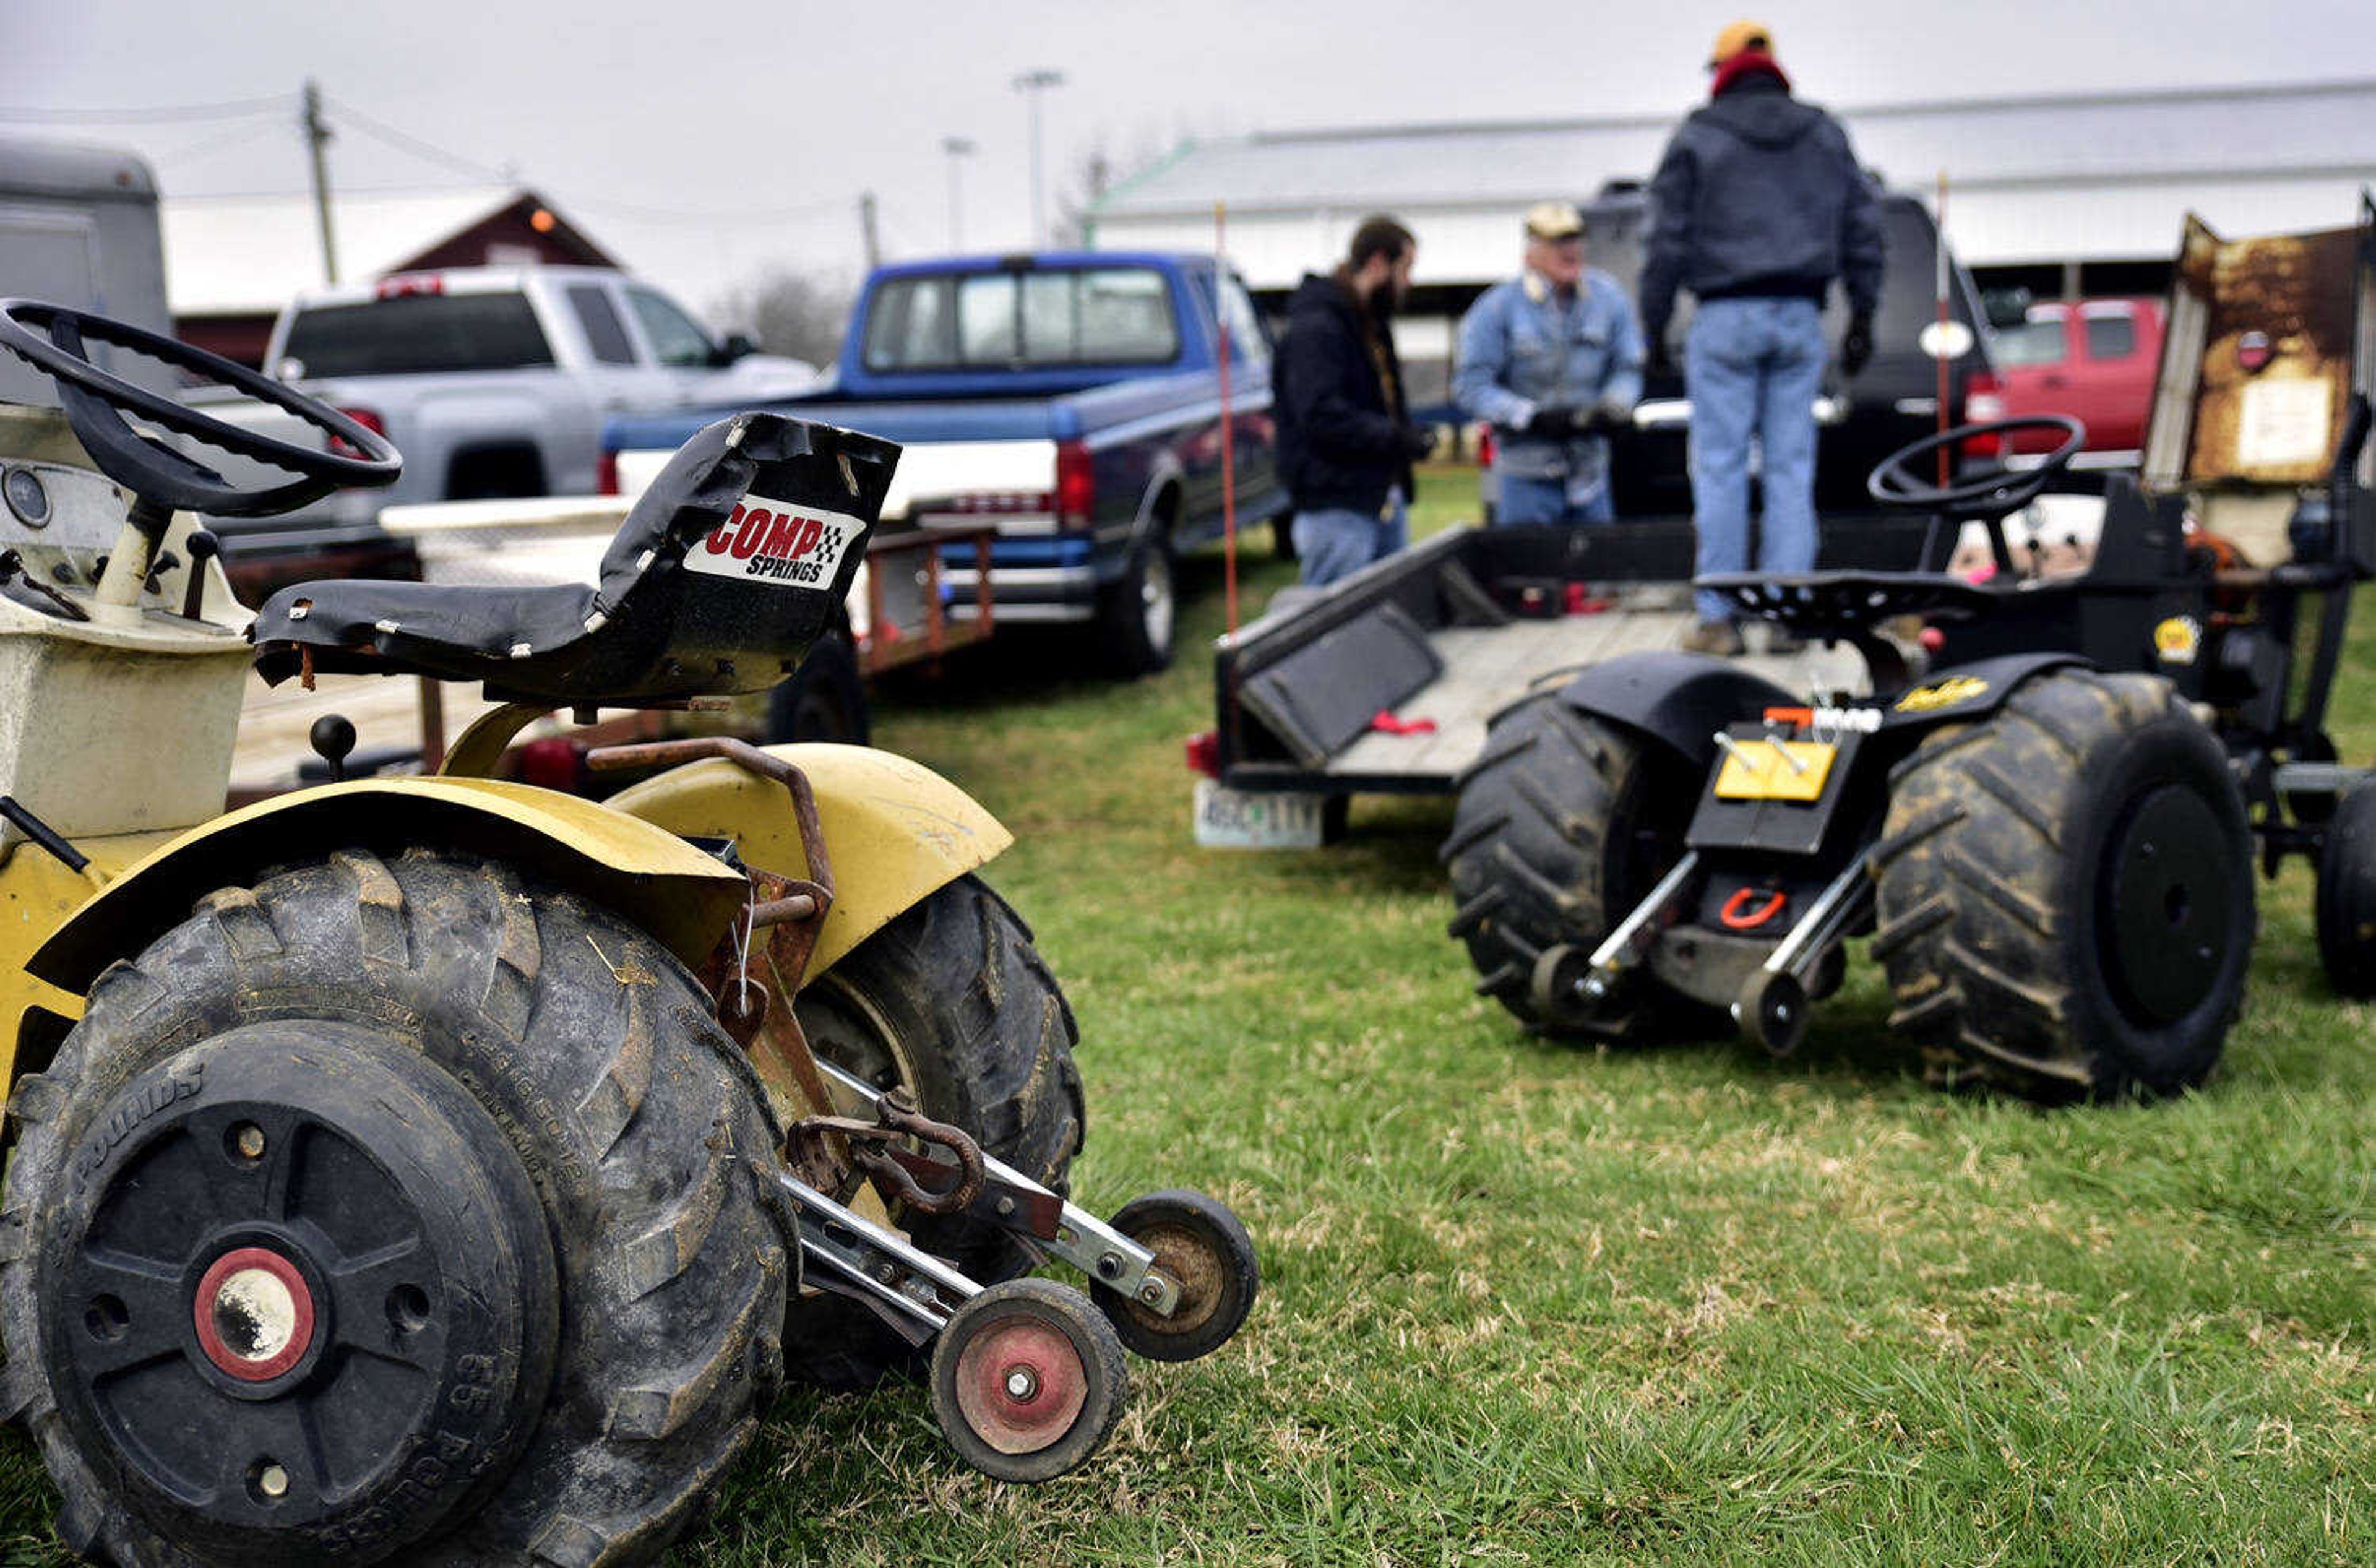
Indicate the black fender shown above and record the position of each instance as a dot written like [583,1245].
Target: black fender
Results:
[1683,699]
[1677,699]
[1965,691]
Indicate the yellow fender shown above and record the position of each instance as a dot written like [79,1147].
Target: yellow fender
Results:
[682,897]
[895,830]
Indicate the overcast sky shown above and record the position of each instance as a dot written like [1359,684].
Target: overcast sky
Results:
[705,143]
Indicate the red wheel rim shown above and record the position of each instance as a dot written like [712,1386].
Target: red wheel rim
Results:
[254,1314]
[1021,1384]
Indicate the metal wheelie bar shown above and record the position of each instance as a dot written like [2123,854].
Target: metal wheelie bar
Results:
[1028,1376]
[1016,1202]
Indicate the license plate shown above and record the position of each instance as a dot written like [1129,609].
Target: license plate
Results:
[1241,819]
[1757,770]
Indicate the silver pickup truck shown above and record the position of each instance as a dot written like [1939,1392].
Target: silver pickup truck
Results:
[496,381]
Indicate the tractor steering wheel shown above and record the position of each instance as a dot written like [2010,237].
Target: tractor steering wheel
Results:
[1995,491]
[51,338]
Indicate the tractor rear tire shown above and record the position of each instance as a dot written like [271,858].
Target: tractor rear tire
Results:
[825,699]
[1563,825]
[2346,896]
[2065,893]
[507,1180]
[952,1002]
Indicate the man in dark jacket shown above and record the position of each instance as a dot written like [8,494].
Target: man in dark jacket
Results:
[1757,205]
[1345,443]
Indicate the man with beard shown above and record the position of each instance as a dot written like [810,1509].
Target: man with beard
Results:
[1345,443]
[1551,359]
[1757,205]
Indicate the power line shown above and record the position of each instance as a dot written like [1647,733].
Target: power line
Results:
[404,141]
[156,115]
[209,146]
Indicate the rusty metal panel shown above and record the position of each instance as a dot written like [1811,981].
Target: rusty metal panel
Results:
[2276,368]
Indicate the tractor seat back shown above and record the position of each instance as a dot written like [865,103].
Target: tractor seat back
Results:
[727,568]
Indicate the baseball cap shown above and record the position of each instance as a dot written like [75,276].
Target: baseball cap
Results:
[1738,39]
[1553,221]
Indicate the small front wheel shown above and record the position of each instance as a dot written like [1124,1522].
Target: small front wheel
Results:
[1027,1380]
[1200,1244]
[2346,894]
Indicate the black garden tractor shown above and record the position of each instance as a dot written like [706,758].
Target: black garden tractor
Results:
[443,1169]
[2046,810]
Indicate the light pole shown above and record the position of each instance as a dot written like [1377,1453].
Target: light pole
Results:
[958,147]
[1034,85]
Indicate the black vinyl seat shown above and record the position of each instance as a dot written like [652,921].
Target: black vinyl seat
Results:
[728,567]
[1843,602]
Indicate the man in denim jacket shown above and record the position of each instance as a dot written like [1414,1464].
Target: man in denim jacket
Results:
[1550,359]
[1758,206]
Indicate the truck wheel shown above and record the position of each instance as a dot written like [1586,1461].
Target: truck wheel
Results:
[1135,613]
[952,1002]
[2346,894]
[1563,825]
[391,1209]
[2065,893]
[825,699]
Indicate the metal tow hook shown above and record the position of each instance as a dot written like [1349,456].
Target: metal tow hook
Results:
[898,1172]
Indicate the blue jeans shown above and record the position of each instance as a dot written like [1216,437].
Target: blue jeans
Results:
[1336,542]
[1547,501]
[1752,368]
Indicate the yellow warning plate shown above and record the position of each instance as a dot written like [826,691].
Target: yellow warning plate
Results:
[1762,769]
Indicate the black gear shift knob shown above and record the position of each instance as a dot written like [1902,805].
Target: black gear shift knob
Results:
[332,738]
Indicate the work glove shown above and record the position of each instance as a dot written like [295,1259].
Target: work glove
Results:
[1856,349]
[1555,421]
[1610,415]
[1417,442]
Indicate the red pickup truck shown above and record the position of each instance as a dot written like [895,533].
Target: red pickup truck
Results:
[2091,359]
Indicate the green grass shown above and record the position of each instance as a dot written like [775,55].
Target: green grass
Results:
[1530,1302]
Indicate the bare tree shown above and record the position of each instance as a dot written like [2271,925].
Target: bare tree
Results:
[1097,171]
[801,314]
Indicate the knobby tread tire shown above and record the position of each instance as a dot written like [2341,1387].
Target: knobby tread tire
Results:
[987,1037]
[1541,849]
[1987,909]
[641,1126]
[2346,896]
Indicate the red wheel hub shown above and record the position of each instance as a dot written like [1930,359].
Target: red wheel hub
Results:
[1021,1384]
[254,1314]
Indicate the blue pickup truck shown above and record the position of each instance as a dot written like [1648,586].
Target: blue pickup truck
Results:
[1073,399]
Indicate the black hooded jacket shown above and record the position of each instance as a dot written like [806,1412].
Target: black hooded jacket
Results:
[1760,195]
[1338,392]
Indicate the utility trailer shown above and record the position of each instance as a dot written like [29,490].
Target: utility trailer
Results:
[1383,684]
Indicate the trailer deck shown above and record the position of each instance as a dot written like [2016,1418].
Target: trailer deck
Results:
[1385,682]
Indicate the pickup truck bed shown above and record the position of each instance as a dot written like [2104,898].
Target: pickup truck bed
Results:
[1461,626]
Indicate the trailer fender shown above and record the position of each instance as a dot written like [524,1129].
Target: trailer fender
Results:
[682,895]
[1679,699]
[895,830]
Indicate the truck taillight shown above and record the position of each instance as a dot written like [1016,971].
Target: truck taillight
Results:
[398,285]
[1983,404]
[1485,446]
[1076,486]
[367,418]
[606,474]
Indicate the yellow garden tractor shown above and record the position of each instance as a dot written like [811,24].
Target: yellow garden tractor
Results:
[449,1170]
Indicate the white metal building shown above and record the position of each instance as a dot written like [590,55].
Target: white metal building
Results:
[2063,192]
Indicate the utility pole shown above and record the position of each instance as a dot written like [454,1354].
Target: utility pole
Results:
[959,148]
[1034,86]
[317,137]
[866,230]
